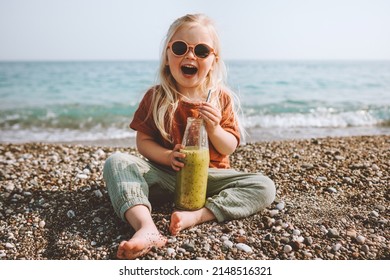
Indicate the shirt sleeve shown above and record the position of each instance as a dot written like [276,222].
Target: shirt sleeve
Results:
[143,119]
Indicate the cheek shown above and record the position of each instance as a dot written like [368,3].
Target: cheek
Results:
[208,67]
[172,62]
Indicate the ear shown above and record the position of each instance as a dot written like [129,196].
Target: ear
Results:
[214,62]
[166,59]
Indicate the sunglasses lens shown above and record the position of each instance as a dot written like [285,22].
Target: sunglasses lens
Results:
[179,48]
[202,51]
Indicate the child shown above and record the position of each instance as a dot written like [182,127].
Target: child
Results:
[190,67]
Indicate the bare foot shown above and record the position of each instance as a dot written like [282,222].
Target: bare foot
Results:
[181,220]
[140,244]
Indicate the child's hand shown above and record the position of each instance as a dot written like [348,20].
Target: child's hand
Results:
[175,157]
[211,116]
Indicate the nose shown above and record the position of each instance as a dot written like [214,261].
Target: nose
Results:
[190,53]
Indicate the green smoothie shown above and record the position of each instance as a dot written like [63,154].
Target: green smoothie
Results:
[191,181]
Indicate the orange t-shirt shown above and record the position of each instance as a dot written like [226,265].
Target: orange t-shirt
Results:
[143,122]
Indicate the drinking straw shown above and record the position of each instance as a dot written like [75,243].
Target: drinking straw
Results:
[208,96]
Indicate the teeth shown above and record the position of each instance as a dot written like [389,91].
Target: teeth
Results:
[189,69]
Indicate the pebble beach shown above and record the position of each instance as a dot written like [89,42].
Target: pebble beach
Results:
[333,198]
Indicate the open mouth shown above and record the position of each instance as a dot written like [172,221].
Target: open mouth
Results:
[189,69]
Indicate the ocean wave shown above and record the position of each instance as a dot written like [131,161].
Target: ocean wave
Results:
[318,118]
[68,116]
[93,123]
[34,134]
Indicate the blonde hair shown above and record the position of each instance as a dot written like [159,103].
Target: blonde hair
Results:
[166,96]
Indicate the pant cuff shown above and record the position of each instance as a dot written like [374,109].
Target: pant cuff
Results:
[131,203]
[215,210]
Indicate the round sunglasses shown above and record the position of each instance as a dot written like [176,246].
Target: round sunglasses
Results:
[181,48]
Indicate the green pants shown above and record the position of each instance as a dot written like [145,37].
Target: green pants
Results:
[230,194]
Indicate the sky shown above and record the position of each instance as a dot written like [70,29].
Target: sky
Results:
[250,30]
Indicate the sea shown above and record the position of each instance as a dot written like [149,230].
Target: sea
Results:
[92,102]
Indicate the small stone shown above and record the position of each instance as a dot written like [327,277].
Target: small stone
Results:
[280,206]
[97,220]
[71,214]
[82,176]
[10,187]
[99,154]
[351,233]
[347,180]
[189,247]
[374,214]
[331,190]
[277,228]
[171,240]
[284,239]
[365,248]
[224,238]
[171,252]
[268,237]
[181,250]
[360,239]
[336,247]
[273,212]
[240,239]
[321,178]
[86,171]
[296,245]
[42,224]
[296,232]
[228,244]
[307,166]
[381,208]
[244,247]
[287,248]
[206,247]
[375,167]
[308,240]
[98,193]
[339,157]
[333,233]
[300,239]
[9,245]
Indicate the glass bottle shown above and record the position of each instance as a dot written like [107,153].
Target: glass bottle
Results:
[191,180]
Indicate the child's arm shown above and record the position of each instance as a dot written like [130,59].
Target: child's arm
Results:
[225,142]
[153,151]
